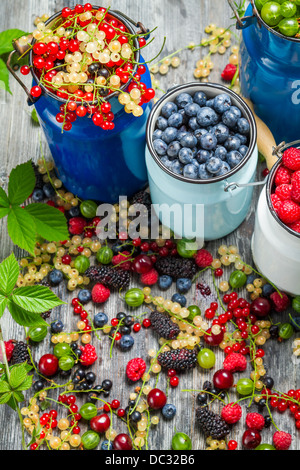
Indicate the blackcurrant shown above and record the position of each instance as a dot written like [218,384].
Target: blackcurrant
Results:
[125,330]
[136,416]
[202,398]
[38,385]
[121,315]
[269,382]
[268,421]
[93,68]
[207,386]
[106,385]
[129,321]
[103,73]
[90,377]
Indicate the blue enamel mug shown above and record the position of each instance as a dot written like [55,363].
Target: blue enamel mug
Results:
[270,74]
[93,163]
[225,200]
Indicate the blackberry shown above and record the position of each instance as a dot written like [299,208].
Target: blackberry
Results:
[46,315]
[164,326]
[176,267]
[143,197]
[178,359]
[20,353]
[211,424]
[109,277]
[39,183]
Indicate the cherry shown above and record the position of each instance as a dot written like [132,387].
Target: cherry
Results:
[213,340]
[261,307]
[48,365]
[142,264]
[156,399]
[100,423]
[122,442]
[223,379]
[251,439]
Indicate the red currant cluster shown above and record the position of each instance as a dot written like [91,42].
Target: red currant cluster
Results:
[284,402]
[79,310]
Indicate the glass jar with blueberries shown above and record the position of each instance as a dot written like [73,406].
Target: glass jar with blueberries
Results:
[201,139]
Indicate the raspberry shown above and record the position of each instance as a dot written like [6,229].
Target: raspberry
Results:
[289,212]
[276,201]
[150,278]
[229,72]
[295,192]
[295,226]
[235,362]
[88,356]
[284,191]
[282,440]
[77,225]
[291,159]
[255,421]
[231,413]
[203,258]
[100,294]
[120,260]
[280,302]
[135,369]
[283,176]
[9,347]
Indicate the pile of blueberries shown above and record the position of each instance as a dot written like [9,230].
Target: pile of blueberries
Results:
[201,138]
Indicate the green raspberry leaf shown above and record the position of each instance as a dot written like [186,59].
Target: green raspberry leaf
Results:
[9,273]
[4,387]
[3,303]
[5,397]
[36,299]
[7,37]
[4,76]
[18,396]
[4,201]
[24,318]
[17,376]
[50,223]
[21,183]
[21,229]
[26,385]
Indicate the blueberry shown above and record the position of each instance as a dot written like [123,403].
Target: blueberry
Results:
[221,132]
[243,150]
[38,195]
[193,124]
[232,143]
[173,149]
[185,155]
[100,320]
[177,167]
[200,98]
[74,212]
[236,111]
[107,445]
[243,126]
[169,411]
[161,123]
[56,277]
[165,161]
[190,171]
[157,134]
[225,168]
[169,135]
[183,100]
[234,158]
[192,109]
[222,103]
[183,285]
[184,116]
[221,152]
[203,173]
[207,117]
[229,119]
[243,138]
[160,147]
[188,140]
[210,103]
[195,162]
[126,342]
[84,296]
[251,278]
[267,290]
[168,109]
[181,133]
[214,165]
[164,282]
[175,120]
[48,190]
[204,155]
[57,326]
[208,141]
[198,133]
[180,299]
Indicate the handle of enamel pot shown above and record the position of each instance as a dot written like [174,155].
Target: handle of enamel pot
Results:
[265,139]
[246,21]
[143,29]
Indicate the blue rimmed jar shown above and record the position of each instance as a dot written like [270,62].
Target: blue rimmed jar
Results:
[225,199]
[93,163]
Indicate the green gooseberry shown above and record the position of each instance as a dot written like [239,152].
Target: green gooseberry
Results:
[66,363]
[271,14]
[289,27]
[288,9]
[194,312]
[296,304]
[105,255]
[90,440]
[181,441]
[88,209]
[286,331]
[88,411]
[82,263]
[206,358]
[237,279]
[62,349]
[245,387]
[38,333]
[265,447]
[187,248]
[134,297]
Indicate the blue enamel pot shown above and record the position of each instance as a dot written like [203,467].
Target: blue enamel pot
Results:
[93,163]
[270,75]
[216,206]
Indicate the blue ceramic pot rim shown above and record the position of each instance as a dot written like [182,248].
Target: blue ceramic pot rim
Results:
[107,98]
[270,185]
[214,87]
[271,30]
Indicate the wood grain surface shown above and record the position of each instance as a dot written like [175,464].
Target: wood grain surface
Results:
[180,21]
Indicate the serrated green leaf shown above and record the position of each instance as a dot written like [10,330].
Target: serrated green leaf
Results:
[50,223]
[34,116]
[7,37]
[5,397]
[4,77]
[26,385]
[21,229]
[3,303]
[4,387]
[24,318]
[4,211]
[17,376]
[9,273]
[37,299]
[18,396]
[21,183]
[12,403]
[4,201]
